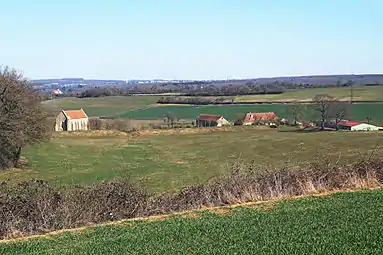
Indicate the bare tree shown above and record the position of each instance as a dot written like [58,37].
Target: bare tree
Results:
[296,111]
[240,119]
[350,84]
[322,104]
[338,111]
[171,118]
[22,118]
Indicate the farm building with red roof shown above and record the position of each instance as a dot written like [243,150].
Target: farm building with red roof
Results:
[57,92]
[210,120]
[72,120]
[251,117]
[351,125]
[357,126]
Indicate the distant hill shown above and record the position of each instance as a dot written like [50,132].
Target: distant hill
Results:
[80,84]
[360,79]
[74,80]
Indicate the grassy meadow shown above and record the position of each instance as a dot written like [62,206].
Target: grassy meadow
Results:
[170,161]
[342,223]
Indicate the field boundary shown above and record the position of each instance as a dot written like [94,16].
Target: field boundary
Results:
[101,133]
[190,213]
[300,101]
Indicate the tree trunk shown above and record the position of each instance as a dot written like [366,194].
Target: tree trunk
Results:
[17,157]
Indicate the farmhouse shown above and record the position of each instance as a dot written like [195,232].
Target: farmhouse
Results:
[358,126]
[209,120]
[57,92]
[251,117]
[72,120]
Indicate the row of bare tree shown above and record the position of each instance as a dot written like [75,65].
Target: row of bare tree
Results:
[325,107]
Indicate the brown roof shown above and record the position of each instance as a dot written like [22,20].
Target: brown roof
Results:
[260,115]
[75,114]
[208,117]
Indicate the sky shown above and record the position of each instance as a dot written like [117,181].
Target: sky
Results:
[190,39]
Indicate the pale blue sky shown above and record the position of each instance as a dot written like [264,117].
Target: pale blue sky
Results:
[199,39]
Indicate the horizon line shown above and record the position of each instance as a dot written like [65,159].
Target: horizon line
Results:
[222,79]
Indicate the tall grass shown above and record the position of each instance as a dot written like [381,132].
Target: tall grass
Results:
[36,207]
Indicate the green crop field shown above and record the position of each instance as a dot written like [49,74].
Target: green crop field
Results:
[101,106]
[360,93]
[358,112]
[342,223]
[170,161]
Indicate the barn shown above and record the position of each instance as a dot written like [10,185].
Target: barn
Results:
[72,120]
[358,126]
[210,120]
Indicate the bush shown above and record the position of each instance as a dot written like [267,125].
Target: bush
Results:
[123,125]
[95,124]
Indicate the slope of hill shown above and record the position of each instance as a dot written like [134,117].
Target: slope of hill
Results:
[342,223]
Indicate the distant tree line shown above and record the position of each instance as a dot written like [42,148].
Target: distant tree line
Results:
[196,100]
[325,110]
[219,88]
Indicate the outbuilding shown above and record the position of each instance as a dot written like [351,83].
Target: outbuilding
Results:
[210,120]
[72,120]
[358,126]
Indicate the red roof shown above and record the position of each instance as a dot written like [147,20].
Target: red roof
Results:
[56,91]
[348,123]
[251,116]
[209,117]
[75,114]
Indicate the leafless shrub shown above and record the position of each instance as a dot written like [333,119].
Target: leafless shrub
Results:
[95,124]
[317,176]
[36,207]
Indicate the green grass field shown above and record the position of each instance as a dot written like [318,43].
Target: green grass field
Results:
[102,106]
[358,112]
[360,93]
[171,161]
[342,223]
